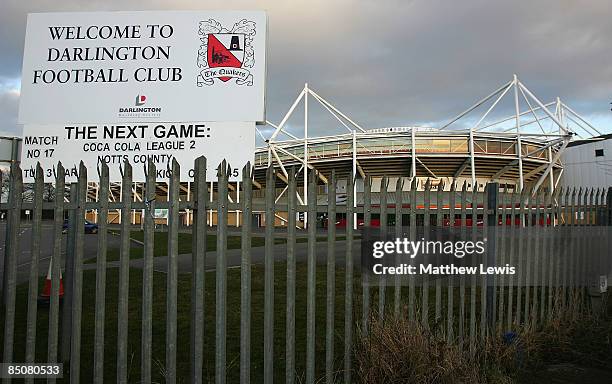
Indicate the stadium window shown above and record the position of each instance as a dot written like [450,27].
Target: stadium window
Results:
[599,152]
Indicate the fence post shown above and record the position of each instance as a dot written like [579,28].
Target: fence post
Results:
[34,265]
[290,322]
[124,274]
[58,218]
[366,233]
[147,274]
[492,194]
[311,278]
[269,275]
[245,275]
[348,292]
[198,261]
[397,289]
[11,261]
[77,275]
[68,278]
[450,335]
[608,224]
[384,184]
[608,210]
[331,275]
[413,232]
[463,230]
[100,312]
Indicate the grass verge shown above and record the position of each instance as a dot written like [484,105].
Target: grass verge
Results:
[183,324]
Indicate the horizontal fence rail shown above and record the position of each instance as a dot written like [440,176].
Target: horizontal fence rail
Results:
[294,311]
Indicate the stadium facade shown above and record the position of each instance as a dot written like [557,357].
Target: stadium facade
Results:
[522,150]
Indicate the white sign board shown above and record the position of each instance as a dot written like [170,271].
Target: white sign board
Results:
[137,143]
[154,66]
[160,214]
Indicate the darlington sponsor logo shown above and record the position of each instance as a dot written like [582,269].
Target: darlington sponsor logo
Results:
[139,111]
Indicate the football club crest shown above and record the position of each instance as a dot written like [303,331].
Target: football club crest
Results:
[226,55]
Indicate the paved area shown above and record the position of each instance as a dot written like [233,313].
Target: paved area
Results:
[46,248]
[160,262]
[184,261]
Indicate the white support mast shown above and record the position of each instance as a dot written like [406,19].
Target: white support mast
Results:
[305,93]
[519,145]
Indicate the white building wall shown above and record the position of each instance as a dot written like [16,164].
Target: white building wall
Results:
[583,169]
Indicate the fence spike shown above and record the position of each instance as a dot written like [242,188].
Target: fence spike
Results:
[291,278]
[34,265]
[56,262]
[11,257]
[331,276]
[311,278]
[245,274]
[269,276]
[124,274]
[348,289]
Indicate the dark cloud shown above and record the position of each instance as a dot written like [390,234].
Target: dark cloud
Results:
[400,62]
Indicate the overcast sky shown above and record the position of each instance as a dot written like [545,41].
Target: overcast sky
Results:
[391,63]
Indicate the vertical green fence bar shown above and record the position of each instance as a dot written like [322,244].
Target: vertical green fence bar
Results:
[290,321]
[172,276]
[576,256]
[198,262]
[566,262]
[397,290]
[58,224]
[425,279]
[584,257]
[578,243]
[311,279]
[124,274]
[16,191]
[463,229]
[100,311]
[537,257]
[147,274]
[473,281]
[439,222]
[529,259]
[245,273]
[511,250]
[545,271]
[556,254]
[413,224]
[503,258]
[77,285]
[519,252]
[348,290]
[384,184]
[450,290]
[331,276]
[571,255]
[548,255]
[489,286]
[484,302]
[269,278]
[365,275]
[34,265]
[66,315]
[221,275]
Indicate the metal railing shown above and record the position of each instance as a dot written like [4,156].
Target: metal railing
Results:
[494,305]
